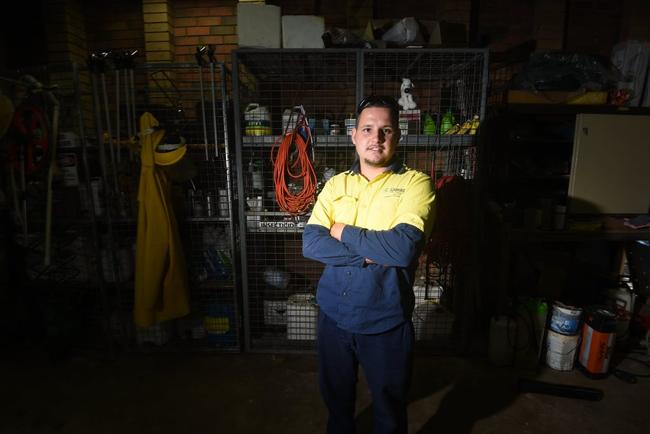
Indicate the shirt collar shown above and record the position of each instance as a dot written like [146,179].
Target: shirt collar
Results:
[395,166]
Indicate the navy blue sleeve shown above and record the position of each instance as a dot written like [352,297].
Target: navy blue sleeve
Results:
[396,247]
[318,244]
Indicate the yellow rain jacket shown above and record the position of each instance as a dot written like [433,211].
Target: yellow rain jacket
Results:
[161,288]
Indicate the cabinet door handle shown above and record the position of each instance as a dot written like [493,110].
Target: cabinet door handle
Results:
[585,130]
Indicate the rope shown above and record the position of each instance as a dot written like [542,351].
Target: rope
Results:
[290,158]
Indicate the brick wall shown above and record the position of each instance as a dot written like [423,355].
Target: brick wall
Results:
[66,31]
[548,24]
[114,25]
[158,30]
[505,23]
[593,27]
[203,22]
[67,43]
[634,20]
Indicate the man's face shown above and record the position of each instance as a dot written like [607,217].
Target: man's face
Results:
[375,137]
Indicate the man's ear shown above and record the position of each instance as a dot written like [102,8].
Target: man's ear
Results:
[354,133]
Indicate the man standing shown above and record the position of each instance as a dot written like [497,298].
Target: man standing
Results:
[368,227]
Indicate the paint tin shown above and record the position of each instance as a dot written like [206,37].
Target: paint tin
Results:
[561,350]
[598,338]
[565,319]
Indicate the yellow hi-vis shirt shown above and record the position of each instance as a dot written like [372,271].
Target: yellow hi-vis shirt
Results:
[388,221]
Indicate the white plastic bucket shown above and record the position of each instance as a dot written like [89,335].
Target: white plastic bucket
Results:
[302,317]
[561,350]
[424,294]
[565,319]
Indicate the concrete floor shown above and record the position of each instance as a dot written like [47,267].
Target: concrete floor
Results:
[278,394]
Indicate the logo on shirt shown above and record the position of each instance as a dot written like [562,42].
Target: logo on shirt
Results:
[393,191]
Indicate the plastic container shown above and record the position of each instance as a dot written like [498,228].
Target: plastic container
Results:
[258,120]
[561,350]
[448,121]
[219,323]
[302,317]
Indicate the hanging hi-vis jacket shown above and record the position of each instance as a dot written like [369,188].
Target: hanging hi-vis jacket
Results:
[161,289]
[388,221]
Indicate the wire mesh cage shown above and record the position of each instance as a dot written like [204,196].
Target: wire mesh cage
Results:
[190,103]
[272,89]
[53,261]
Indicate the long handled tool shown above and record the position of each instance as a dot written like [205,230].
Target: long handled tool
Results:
[50,176]
[214,97]
[200,62]
[127,106]
[96,66]
[129,62]
[118,66]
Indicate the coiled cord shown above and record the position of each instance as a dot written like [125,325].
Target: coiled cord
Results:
[290,158]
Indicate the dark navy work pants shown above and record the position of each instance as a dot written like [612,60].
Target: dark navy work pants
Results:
[387,361]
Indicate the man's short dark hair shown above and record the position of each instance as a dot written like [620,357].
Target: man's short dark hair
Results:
[380,101]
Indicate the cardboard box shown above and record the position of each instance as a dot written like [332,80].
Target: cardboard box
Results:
[259,26]
[303,31]
[556,97]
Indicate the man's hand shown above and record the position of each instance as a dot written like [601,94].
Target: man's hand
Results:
[337,230]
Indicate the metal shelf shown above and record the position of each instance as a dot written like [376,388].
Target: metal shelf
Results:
[262,230]
[341,141]
[305,65]
[207,219]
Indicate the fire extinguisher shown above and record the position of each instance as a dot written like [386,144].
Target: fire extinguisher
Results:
[598,338]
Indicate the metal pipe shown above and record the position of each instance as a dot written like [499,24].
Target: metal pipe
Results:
[50,175]
[127,103]
[23,188]
[109,131]
[205,127]
[117,115]
[133,111]
[214,110]
[93,219]
[231,226]
[107,191]
[241,204]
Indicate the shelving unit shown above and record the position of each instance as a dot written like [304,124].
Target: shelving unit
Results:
[61,305]
[278,283]
[543,135]
[173,93]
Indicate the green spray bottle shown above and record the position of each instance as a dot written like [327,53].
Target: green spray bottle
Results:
[448,121]
[428,125]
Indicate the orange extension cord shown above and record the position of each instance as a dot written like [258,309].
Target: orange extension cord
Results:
[295,166]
